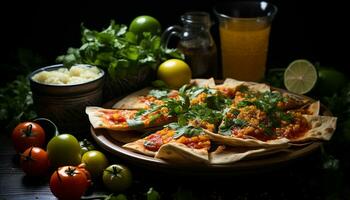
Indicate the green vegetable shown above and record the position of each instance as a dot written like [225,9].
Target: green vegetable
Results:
[229,124]
[16,103]
[184,130]
[117,51]
[135,123]
[203,113]
[152,194]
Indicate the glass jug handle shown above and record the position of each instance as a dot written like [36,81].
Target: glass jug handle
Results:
[168,33]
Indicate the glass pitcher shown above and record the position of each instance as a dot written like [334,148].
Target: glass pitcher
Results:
[195,42]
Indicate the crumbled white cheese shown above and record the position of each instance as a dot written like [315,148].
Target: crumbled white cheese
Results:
[75,75]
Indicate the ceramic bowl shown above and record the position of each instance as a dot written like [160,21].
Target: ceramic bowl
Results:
[65,104]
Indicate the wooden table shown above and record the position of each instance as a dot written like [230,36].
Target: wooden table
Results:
[300,179]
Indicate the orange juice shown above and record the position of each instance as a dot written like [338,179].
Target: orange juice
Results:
[244,45]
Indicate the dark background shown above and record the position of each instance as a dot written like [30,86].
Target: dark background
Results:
[34,33]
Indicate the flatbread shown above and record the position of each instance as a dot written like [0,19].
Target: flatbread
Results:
[225,154]
[179,153]
[257,87]
[209,83]
[138,147]
[234,141]
[322,128]
[314,108]
[101,118]
[231,149]
[97,118]
[132,101]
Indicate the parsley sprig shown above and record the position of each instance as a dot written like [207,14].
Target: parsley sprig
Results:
[118,51]
[184,130]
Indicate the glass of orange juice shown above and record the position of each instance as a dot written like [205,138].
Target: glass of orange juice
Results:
[244,38]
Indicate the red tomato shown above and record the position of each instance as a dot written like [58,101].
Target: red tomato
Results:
[28,134]
[70,182]
[35,162]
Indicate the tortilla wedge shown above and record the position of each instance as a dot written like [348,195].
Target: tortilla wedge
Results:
[233,141]
[96,118]
[138,147]
[99,119]
[180,153]
[132,101]
[225,154]
[210,83]
[322,128]
[258,87]
[314,108]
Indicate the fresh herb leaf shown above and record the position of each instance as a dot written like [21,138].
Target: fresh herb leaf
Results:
[135,123]
[229,124]
[267,129]
[153,118]
[186,130]
[118,51]
[218,102]
[159,84]
[16,103]
[287,117]
[152,194]
[203,113]
[244,103]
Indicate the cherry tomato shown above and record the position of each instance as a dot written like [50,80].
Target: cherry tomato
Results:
[85,146]
[117,178]
[70,182]
[63,150]
[34,161]
[28,134]
[95,162]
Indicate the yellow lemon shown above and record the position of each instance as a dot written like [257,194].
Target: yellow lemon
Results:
[175,73]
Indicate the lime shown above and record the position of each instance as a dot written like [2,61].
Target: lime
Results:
[330,81]
[175,73]
[145,23]
[300,76]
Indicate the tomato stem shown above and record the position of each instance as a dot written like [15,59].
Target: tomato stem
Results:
[71,171]
[115,170]
[28,130]
[29,157]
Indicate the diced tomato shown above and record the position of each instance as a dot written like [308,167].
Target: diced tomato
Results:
[153,142]
[196,142]
[173,94]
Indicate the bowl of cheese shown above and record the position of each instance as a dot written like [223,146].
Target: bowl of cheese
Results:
[61,94]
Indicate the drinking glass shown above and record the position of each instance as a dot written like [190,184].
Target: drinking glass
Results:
[244,37]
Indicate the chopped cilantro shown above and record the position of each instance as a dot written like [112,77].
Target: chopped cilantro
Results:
[229,124]
[218,102]
[187,130]
[135,123]
[244,103]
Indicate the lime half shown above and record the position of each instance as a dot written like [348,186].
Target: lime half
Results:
[300,76]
